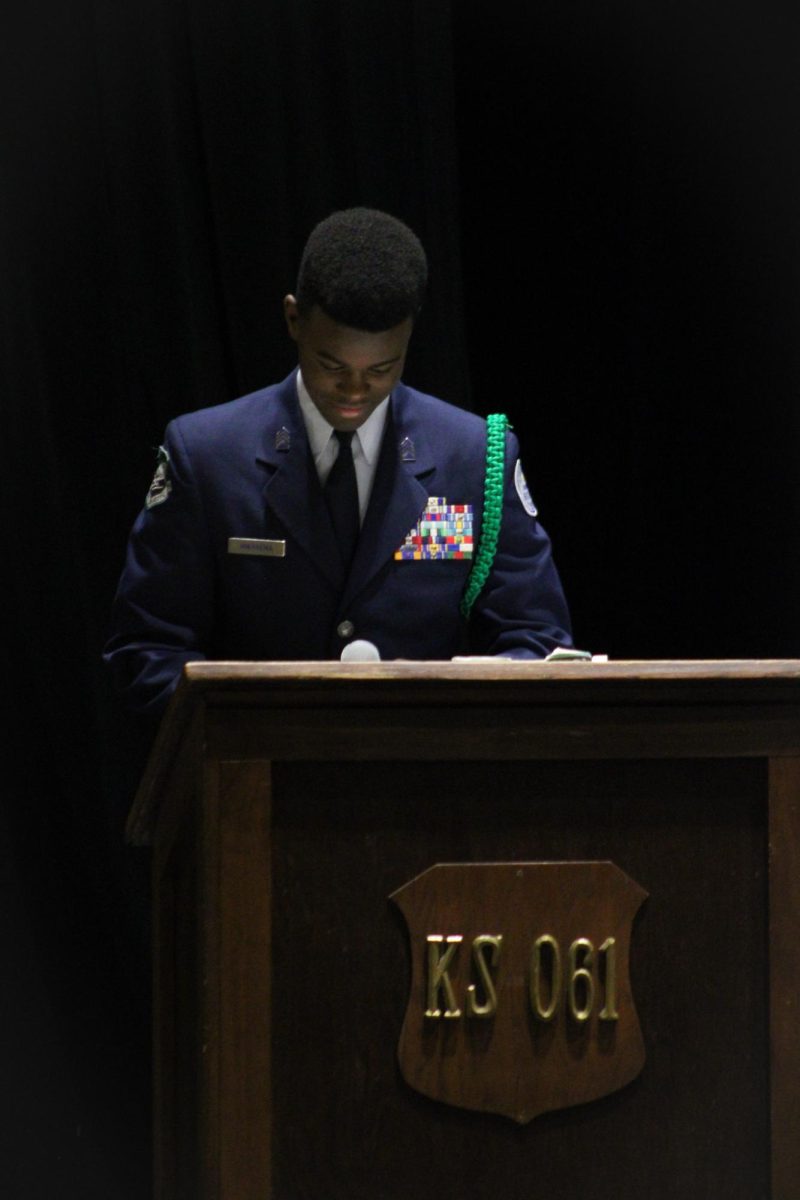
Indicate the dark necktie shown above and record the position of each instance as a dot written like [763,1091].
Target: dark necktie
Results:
[341,496]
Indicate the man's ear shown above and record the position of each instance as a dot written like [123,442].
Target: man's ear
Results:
[292,315]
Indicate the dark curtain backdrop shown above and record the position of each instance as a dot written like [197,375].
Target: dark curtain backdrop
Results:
[609,195]
[630,207]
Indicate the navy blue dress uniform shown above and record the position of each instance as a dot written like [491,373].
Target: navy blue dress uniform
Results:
[234,555]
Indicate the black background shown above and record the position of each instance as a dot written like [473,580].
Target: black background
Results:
[609,198]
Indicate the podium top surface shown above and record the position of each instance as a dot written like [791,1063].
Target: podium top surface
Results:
[222,685]
[515,708]
[203,674]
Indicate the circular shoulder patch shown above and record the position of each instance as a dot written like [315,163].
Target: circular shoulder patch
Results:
[522,491]
[161,486]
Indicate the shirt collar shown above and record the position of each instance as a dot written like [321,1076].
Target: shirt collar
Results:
[368,435]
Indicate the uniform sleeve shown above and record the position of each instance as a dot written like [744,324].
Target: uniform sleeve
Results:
[162,614]
[521,611]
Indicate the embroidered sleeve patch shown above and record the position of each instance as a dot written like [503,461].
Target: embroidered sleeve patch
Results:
[161,486]
[526,499]
[443,531]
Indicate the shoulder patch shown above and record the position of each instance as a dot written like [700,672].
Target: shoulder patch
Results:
[526,499]
[161,486]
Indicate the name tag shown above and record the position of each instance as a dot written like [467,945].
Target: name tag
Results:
[261,547]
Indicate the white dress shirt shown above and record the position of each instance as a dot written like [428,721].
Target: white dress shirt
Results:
[366,444]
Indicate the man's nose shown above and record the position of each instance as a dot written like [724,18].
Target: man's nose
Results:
[355,387]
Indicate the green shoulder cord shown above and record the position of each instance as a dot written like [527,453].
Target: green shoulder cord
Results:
[496,426]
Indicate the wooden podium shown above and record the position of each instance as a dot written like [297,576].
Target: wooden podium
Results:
[287,802]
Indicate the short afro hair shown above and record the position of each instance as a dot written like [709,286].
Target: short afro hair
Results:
[364,269]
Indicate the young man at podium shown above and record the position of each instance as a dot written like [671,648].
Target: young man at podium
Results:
[338,506]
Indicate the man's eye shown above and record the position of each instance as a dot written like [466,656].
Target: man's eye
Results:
[379,370]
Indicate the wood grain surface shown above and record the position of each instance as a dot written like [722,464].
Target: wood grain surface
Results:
[287,802]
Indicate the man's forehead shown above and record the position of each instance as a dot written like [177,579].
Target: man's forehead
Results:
[330,334]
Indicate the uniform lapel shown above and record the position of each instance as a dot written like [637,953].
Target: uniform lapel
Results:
[292,489]
[399,492]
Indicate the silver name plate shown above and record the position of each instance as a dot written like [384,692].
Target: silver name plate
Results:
[265,547]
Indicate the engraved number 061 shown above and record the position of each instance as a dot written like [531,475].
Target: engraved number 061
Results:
[549,988]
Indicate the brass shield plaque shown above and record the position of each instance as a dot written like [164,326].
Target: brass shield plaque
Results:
[520,991]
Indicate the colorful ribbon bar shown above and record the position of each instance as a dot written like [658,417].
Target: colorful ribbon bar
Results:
[443,531]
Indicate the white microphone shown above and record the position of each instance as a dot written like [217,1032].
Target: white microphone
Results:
[360,651]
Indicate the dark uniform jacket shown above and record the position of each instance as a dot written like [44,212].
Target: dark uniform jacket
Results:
[234,557]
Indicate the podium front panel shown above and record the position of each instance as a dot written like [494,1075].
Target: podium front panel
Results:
[291,804]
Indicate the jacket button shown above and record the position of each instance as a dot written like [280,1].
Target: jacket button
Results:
[345,629]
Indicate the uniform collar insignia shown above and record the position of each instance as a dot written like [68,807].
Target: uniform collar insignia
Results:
[407,451]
